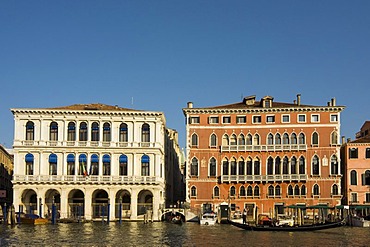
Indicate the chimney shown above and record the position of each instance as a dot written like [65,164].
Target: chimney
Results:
[190,104]
[298,99]
[333,102]
[343,139]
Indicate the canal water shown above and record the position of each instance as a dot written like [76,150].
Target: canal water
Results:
[167,234]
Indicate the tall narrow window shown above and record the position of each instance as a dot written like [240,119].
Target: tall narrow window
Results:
[353,177]
[194,167]
[277,165]
[123,133]
[83,132]
[270,139]
[145,133]
[225,140]
[315,165]
[303,190]
[334,138]
[225,167]
[71,164]
[145,171]
[257,167]
[95,132]
[315,139]
[290,190]
[334,190]
[53,159]
[277,190]
[301,139]
[123,168]
[249,139]
[293,165]
[277,139]
[233,139]
[233,167]
[256,139]
[367,153]
[212,167]
[71,132]
[193,191]
[232,191]
[53,132]
[241,164]
[285,139]
[29,164]
[94,167]
[241,140]
[82,162]
[334,165]
[249,166]
[249,191]
[216,191]
[302,165]
[270,166]
[285,165]
[213,140]
[256,191]
[106,165]
[242,191]
[293,139]
[194,140]
[271,190]
[296,190]
[316,190]
[30,131]
[106,132]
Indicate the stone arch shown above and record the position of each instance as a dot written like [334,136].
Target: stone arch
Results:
[29,201]
[144,202]
[76,204]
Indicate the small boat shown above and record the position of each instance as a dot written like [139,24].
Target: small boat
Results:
[208,219]
[176,220]
[313,227]
[33,219]
[359,221]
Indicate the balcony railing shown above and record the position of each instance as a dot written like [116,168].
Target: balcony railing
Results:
[265,148]
[263,178]
[87,179]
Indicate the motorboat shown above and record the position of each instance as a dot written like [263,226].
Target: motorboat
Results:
[31,219]
[359,221]
[209,218]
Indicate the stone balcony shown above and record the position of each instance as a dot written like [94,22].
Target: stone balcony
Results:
[265,148]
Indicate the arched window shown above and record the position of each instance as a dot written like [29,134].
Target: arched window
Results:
[256,139]
[301,139]
[29,164]
[302,165]
[233,166]
[194,140]
[334,165]
[225,140]
[249,166]
[293,165]
[315,165]
[83,132]
[271,190]
[270,166]
[232,191]
[353,177]
[270,139]
[145,161]
[241,140]
[256,191]
[277,190]
[213,140]
[94,167]
[53,132]
[334,190]
[277,139]
[216,191]
[241,166]
[82,162]
[285,165]
[193,191]
[30,131]
[296,190]
[242,191]
[285,138]
[106,165]
[293,139]
[290,190]
[233,139]
[194,167]
[71,132]
[249,139]
[316,190]
[225,167]
[303,190]
[257,166]
[95,132]
[249,191]
[53,160]
[123,168]
[123,132]
[106,132]
[315,138]
[145,133]
[71,170]
[277,165]
[334,138]
[212,167]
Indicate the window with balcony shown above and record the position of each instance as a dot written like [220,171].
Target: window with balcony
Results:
[29,164]
[226,119]
[30,131]
[95,132]
[225,167]
[241,167]
[53,132]
[194,167]
[71,132]
[270,139]
[53,160]
[233,140]
[194,140]
[83,132]
[285,139]
[213,140]
[334,165]
[123,132]
[241,140]
[353,153]
[293,165]
[285,165]
[277,165]
[71,164]
[106,165]
[106,132]
[257,167]
[212,167]
[145,133]
[249,166]
[213,120]
[225,140]
[194,120]
[241,119]
[315,165]
[145,168]
[256,119]
[249,139]
[233,166]
[123,171]
[94,166]
[302,165]
[270,166]
[353,177]
[293,138]
[277,139]
[301,139]
[256,140]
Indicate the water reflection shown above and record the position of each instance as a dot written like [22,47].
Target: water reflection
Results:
[166,234]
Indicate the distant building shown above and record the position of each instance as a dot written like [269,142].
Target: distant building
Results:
[364,131]
[263,155]
[6,172]
[356,166]
[86,157]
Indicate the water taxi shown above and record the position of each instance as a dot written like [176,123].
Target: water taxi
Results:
[208,219]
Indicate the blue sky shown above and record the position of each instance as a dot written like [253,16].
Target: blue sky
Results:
[163,54]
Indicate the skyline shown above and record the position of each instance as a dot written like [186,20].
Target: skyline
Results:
[157,56]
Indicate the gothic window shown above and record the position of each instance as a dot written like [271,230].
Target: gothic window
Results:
[315,165]
[194,167]
[212,167]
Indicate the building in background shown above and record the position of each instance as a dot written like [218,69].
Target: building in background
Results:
[263,155]
[90,160]
[6,173]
